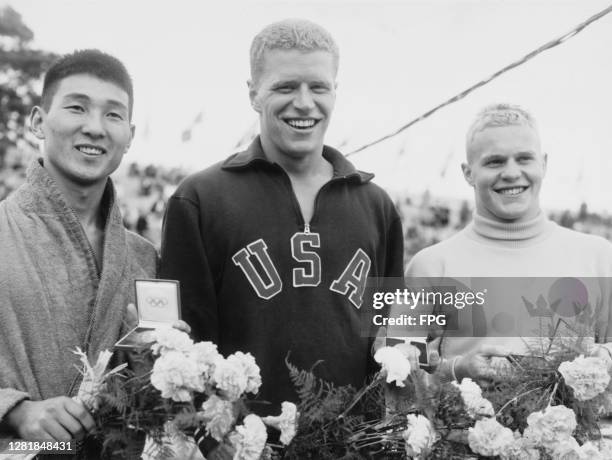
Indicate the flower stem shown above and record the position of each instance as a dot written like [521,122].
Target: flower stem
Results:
[516,398]
[360,395]
[553,393]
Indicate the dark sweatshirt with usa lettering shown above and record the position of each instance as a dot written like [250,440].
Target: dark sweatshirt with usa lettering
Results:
[256,278]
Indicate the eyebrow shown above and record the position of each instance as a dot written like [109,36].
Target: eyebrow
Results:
[284,82]
[297,82]
[497,156]
[492,156]
[86,98]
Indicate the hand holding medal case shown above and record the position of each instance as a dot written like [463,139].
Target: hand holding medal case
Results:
[158,305]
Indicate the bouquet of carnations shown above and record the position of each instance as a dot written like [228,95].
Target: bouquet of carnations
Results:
[548,409]
[190,387]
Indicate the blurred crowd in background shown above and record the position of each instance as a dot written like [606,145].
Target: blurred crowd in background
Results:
[143,190]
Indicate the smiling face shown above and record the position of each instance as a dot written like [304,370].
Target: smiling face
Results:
[506,167]
[294,96]
[86,129]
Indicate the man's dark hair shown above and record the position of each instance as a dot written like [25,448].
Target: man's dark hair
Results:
[92,62]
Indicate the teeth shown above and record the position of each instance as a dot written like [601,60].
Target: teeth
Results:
[90,150]
[301,124]
[512,191]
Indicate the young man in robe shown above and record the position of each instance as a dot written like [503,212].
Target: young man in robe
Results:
[68,263]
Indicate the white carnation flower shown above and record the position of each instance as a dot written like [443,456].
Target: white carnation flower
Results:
[605,445]
[170,339]
[175,375]
[489,438]
[229,378]
[480,408]
[475,405]
[591,452]
[286,422]
[250,369]
[419,435]
[588,377]
[549,427]
[520,449]
[219,417]
[603,402]
[249,439]
[469,387]
[567,449]
[204,355]
[394,364]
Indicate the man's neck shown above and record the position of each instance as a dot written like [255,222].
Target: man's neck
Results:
[85,200]
[87,206]
[307,173]
[298,166]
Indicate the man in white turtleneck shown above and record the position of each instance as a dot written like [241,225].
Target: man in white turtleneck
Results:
[509,237]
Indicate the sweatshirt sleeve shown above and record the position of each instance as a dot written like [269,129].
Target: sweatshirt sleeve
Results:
[395,249]
[9,398]
[394,269]
[184,258]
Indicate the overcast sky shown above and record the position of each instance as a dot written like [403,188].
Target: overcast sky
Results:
[398,59]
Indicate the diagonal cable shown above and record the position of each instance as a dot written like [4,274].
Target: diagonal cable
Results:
[458,97]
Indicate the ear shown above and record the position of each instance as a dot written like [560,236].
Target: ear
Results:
[132,132]
[545,165]
[467,173]
[253,96]
[37,116]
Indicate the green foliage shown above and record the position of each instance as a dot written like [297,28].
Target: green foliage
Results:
[320,401]
[534,384]
[450,413]
[324,428]
[11,25]
[130,408]
[21,68]
[450,450]
[327,429]
[340,422]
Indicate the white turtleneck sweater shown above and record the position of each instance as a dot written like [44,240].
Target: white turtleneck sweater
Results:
[535,249]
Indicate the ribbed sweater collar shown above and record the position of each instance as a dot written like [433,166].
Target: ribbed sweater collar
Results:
[511,234]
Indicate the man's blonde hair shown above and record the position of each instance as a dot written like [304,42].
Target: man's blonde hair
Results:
[290,34]
[496,115]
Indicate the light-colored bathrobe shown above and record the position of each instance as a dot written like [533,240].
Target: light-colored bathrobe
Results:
[53,298]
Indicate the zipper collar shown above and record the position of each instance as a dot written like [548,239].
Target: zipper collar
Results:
[254,154]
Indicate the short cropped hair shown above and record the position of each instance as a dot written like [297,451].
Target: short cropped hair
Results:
[290,34]
[92,62]
[496,115]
